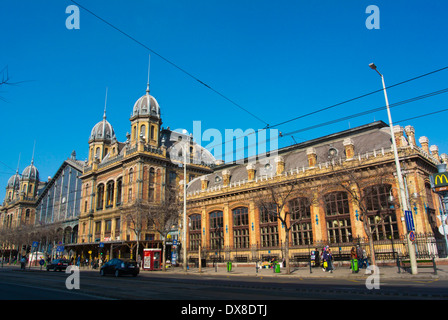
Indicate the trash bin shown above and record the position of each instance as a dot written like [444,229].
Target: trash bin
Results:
[277,268]
[229,266]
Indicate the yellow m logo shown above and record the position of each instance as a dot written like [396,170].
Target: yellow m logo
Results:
[441,179]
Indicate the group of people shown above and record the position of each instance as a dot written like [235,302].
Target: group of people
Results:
[359,256]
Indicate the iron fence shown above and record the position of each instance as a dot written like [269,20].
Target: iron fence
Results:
[426,246]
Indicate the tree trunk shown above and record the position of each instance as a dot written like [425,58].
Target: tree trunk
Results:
[163,254]
[287,269]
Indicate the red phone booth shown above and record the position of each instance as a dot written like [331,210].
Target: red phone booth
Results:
[152,259]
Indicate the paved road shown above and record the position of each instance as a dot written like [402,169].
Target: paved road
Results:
[42,285]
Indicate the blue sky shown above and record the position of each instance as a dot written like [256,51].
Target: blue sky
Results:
[278,60]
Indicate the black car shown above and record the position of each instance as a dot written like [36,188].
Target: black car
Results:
[120,267]
[58,265]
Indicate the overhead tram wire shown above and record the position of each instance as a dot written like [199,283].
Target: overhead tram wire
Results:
[399,103]
[236,104]
[424,96]
[171,63]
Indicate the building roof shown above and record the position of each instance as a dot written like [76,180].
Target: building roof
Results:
[366,138]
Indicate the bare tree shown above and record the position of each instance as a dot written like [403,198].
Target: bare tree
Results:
[163,215]
[134,214]
[369,189]
[278,202]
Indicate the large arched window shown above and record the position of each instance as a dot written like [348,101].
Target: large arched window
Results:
[240,227]
[216,230]
[110,194]
[119,191]
[151,184]
[99,197]
[268,226]
[195,231]
[301,229]
[381,212]
[337,212]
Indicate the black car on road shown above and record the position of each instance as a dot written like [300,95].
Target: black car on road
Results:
[58,265]
[119,267]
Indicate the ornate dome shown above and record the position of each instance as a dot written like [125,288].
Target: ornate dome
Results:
[30,173]
[146,105]
[14,181]
[102,131]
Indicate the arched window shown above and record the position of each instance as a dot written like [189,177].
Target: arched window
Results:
[216,230]
[110,194]
[195,231]
[99,197]
[269,226]
[131,176]
[301,229]
[143,131]
[119,190]
[337,211]
[240,227]
[152,133]
[381,212]
[151,184]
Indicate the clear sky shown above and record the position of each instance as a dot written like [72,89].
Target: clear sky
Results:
[276,59]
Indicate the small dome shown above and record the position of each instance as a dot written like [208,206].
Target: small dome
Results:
[102,131]
[14,181]
[30,173]
[146,105]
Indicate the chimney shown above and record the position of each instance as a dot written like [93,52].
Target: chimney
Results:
[280,161]
[250,171]
[312,157]
[424,142]
[225,177]
[398,134]
[410,132]
[349,148]
[204,183]
[435,151]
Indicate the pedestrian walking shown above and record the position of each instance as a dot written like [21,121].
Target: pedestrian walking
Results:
[22,263]
[353,260]
[330,261]
[359,255]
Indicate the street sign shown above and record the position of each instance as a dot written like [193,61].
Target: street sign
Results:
[409,220]
[59,248]
[35,244]
[101,244]
[412,236]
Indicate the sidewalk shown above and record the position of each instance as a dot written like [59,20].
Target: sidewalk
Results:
[343,272]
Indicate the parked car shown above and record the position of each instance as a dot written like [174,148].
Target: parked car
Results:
[120,267]
[58,265]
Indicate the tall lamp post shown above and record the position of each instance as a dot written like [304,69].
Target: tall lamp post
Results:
[184,245]
[403,200]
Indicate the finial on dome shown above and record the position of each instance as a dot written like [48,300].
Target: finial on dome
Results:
[105,104]
[147,84]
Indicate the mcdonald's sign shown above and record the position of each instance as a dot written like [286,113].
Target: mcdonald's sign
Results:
[440,179]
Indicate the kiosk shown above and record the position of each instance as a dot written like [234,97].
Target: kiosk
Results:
[152,259]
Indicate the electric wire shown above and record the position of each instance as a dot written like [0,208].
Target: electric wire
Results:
[171,63]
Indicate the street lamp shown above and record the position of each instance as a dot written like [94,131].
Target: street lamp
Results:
[404,203]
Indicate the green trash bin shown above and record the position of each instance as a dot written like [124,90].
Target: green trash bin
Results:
[277,268]
[229,266]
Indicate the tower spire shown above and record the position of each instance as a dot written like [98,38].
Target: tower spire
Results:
[105,104]
[32,158]
[149,65]
[18,163]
